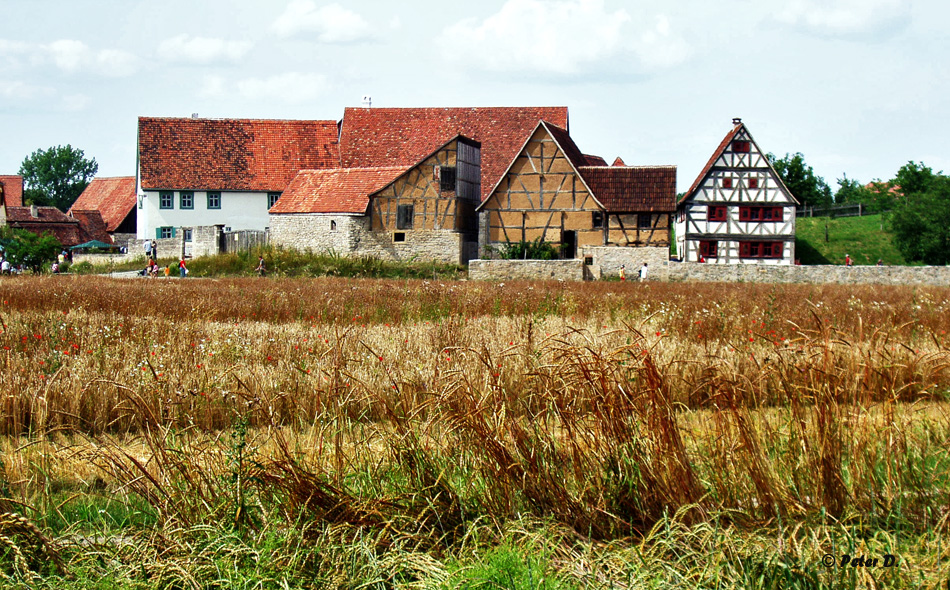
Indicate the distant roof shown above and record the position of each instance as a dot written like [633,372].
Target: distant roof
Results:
[92,224]
[48,219]
[338,190]
[232,154]
[401,137]
[712,159]
[590,160]
[633,188]
[12,190]
[618,162]
[114,198]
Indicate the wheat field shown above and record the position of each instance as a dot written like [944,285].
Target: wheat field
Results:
[391,433]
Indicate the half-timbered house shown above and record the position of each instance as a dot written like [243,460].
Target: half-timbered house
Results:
[553,193]
[425,211]
[738,211]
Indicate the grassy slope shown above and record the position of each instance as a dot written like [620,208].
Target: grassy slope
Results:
[861,237]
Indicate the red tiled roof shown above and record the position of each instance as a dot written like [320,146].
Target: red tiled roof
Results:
[712,160]
[339,190]
[12,190]
[632,188]
[232,154]
[590,160]
[401,137]
[618,162]
[92,224]
[113,198]
[48,219]
[567,145]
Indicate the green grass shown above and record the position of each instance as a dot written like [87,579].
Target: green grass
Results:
[281,262]
[861,237]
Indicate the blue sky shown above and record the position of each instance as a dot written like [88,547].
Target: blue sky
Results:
[858,86]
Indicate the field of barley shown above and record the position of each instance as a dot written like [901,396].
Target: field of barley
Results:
[358,433]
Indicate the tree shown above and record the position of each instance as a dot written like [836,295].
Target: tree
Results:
[24,247]
[852,191]
[56,176]
[799,177]
[919,221]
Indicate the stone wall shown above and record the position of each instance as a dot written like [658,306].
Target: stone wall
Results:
[351,236]
[606,260]
[882,275]
[506,270]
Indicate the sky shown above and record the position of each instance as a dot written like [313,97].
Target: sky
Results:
[860,87]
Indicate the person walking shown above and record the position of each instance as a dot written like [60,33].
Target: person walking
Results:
[148,249]
[154,249]
[183,271]
[261,270]
[623,273]
[643,272]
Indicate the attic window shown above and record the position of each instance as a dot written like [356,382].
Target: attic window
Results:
[727,182]
[740,147]
[644,221]
[166,200]
[187,200]
[447,178]
[404,214]
[272,199]
[597,219]
[753,183]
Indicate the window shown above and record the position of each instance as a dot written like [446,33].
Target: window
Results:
[740,147]
[597,219]
[709,249]
[166,200]
[214,200]
[399,236]
[727,182]
[760,213]
[716,213]
[333,225]
[272,199]
[404,216]
[760,249]
[188,235]
[186,200]
[753,183]
[165,232]
[447,178]
[644,221]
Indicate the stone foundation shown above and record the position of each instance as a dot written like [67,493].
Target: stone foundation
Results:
[506,270]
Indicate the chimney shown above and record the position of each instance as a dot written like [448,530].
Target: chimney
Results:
[34,211]
[367,102]
[194,115]
[736,121]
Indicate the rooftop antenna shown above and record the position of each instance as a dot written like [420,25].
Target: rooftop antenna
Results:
[367,102]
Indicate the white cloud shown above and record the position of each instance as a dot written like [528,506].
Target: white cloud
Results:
[202,50]
[329,24]
[290,87]
[69,56]
[564,38]
[845,17]
[76,102]
[17,90]
[116,63]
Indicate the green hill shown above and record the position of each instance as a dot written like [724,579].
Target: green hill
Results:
[861,237]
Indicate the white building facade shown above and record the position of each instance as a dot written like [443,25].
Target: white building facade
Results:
[161,212]
[738,211]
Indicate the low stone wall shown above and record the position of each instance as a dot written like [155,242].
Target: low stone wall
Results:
[610,258]
[507,270]
[350,236]
[880,275]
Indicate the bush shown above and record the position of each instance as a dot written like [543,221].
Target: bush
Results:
[536,250]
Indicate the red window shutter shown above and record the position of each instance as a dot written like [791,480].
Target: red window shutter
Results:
[741,147]
[713,250]
[727,182]
[777,213]
[743,214]
[777,250]
[744,249]
[753,183]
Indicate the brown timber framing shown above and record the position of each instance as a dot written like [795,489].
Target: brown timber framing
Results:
[432,207]
[542,196]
